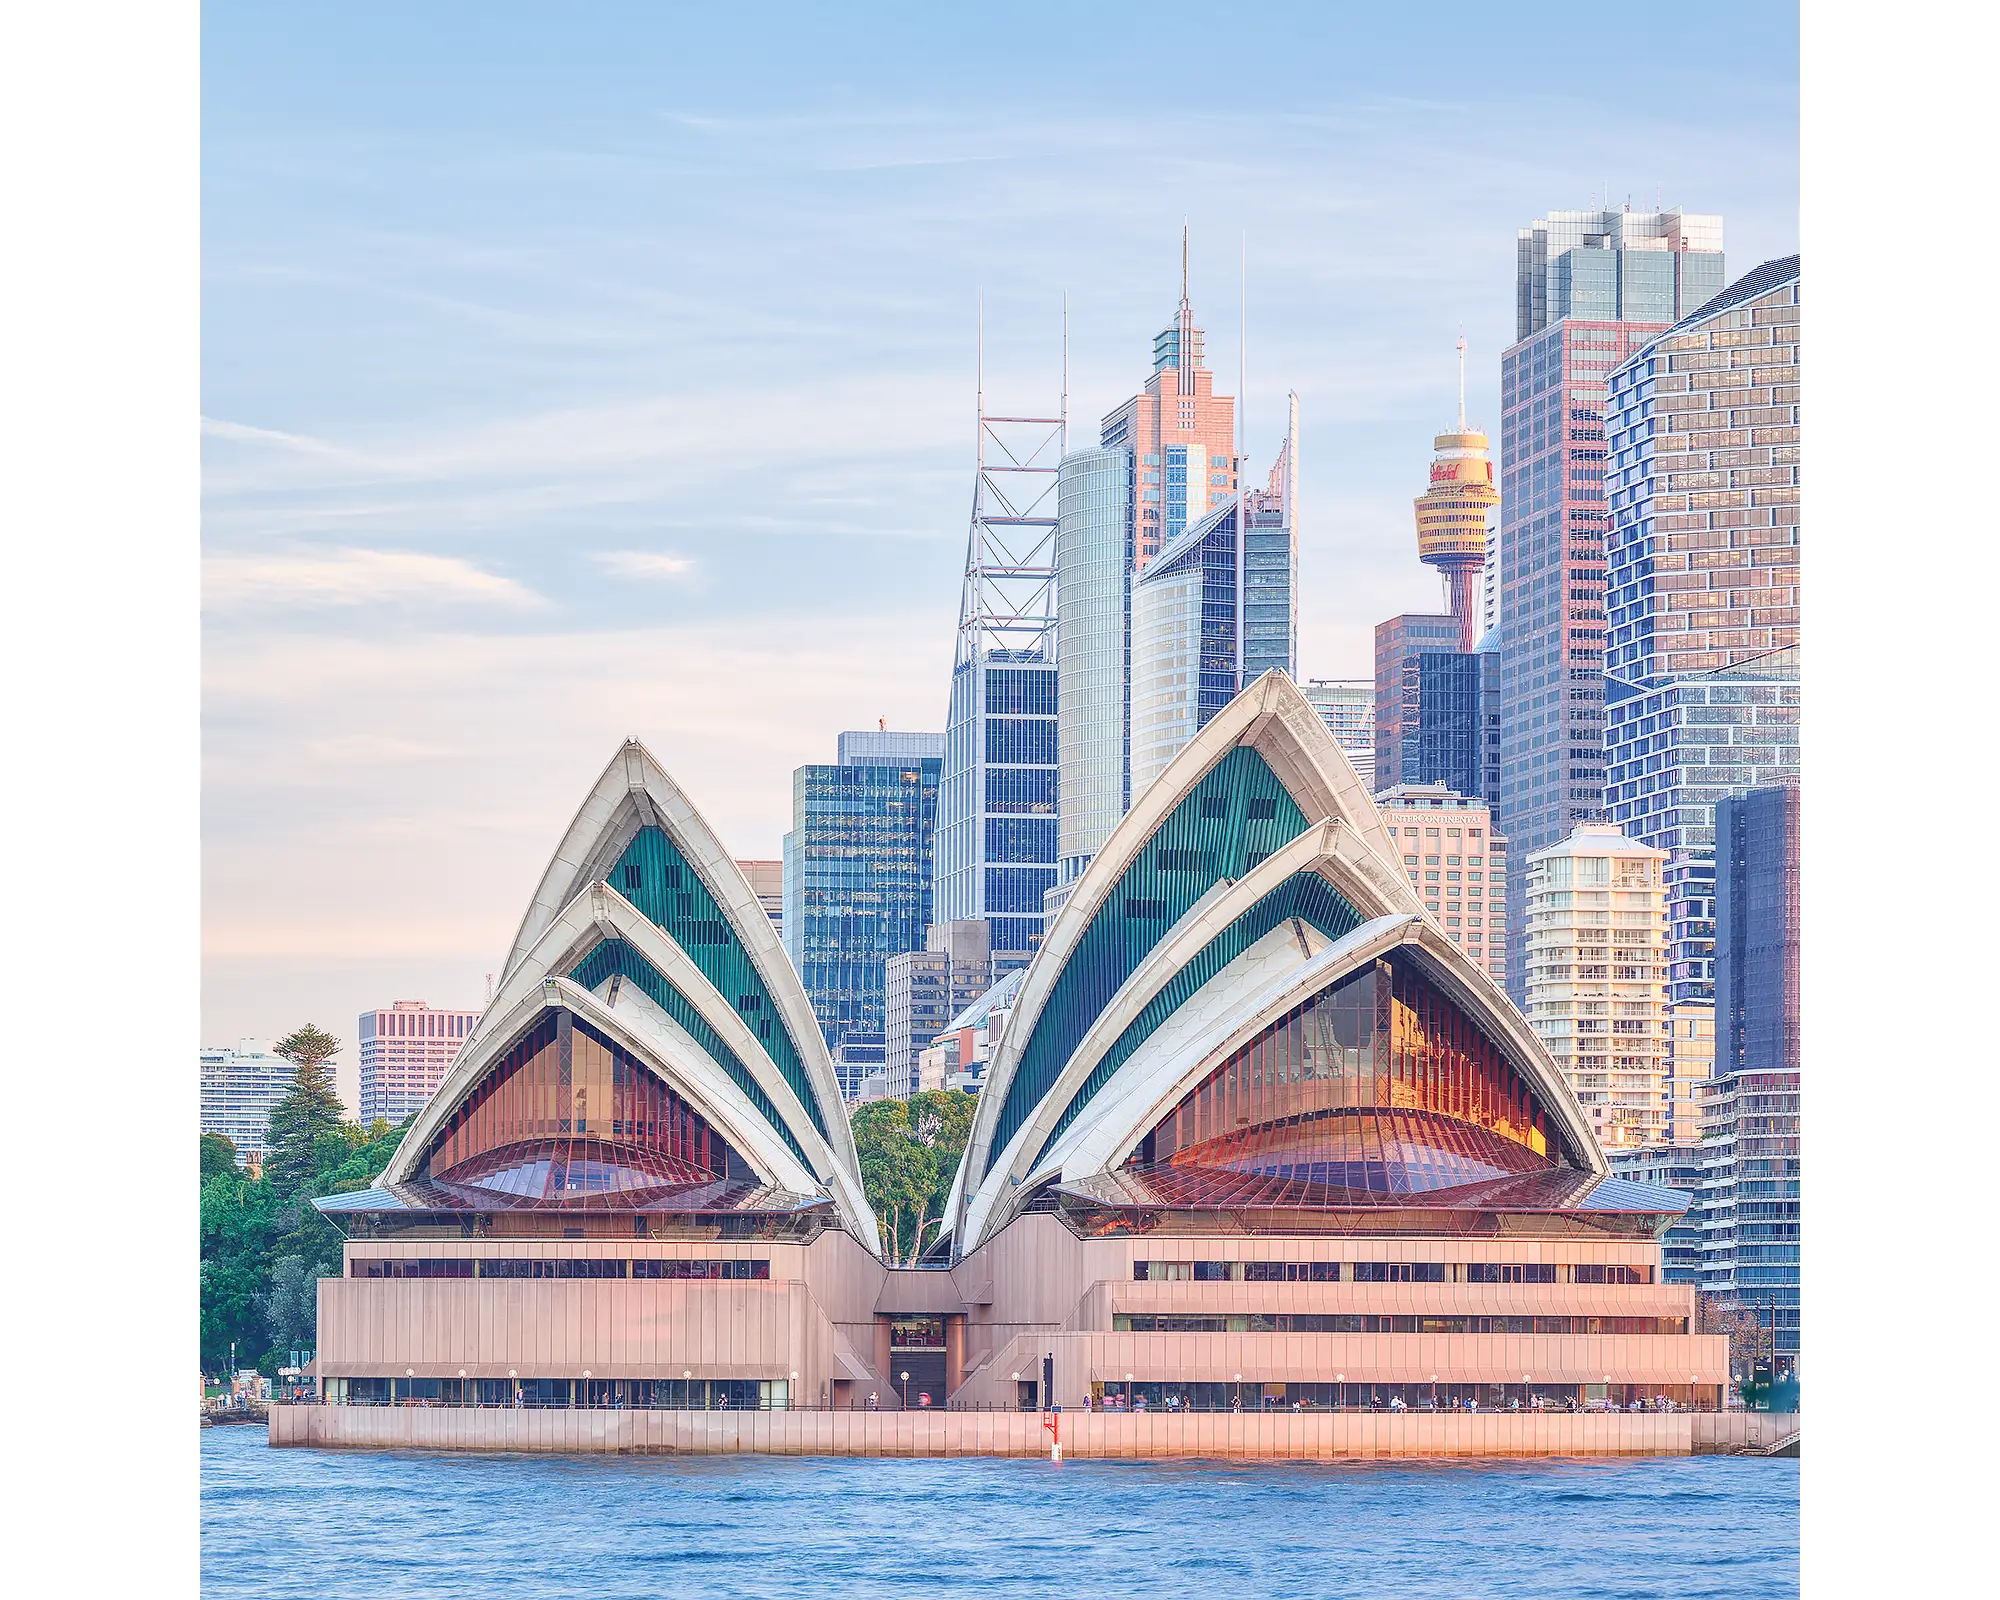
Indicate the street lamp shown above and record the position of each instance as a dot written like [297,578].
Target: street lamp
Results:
[789,1388]
[461,1391]
[1239,1391]
[1128,1391]
[1339,1396]
[906,1391]
[514,1378]
[1434,1391]
[409,1394]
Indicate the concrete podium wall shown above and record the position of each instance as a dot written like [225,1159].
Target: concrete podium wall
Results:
[1094,1436]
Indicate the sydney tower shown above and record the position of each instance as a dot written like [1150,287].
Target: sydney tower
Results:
[1451,514]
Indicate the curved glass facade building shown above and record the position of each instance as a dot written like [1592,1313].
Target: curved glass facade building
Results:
[1093,648]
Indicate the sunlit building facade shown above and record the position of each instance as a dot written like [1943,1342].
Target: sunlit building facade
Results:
[1094,561]
[1253,1133]
[1258,1127]
[1596,964]
[1456,864]
[1591,288]
[1702,689]
[404,1052]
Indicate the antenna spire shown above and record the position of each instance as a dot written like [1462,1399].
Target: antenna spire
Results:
[1184,261]
[1461,380]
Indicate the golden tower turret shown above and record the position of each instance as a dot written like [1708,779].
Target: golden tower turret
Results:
[1451,513]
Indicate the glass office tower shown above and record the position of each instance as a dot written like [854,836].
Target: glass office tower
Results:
[1749,1205]
[1093,648]
[1185,641]
[1591,287]
[1702,478]
[858,875]
[996,849]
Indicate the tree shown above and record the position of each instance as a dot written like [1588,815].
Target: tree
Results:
[218,1154]
[310,1108]
[290,1306]
[909,1150]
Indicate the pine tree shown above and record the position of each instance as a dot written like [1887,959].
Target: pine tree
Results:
[310,1108]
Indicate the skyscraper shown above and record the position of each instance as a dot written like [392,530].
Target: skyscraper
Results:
[1094,648]
[1749,1207]
[1591,287]
[858,878]
[1181,434]
[1757,931]
[1164,490]
[1703,581]
[1400,645]
[1596,961]
[1451,517]
[996,845]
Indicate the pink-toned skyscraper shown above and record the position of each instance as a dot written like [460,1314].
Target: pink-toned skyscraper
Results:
[405,1052]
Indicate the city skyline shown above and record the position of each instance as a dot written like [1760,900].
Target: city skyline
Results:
[398,573]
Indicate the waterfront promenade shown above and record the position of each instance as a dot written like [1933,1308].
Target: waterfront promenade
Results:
[1308,1436]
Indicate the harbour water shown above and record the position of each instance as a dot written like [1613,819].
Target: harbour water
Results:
[399,1526]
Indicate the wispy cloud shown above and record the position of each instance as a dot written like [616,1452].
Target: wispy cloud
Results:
[354,577]
[643,564]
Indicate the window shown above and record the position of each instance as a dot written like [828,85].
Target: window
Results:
[1262,808]
[1409,861]
[1495,1272]
[1593,1274]
[1215,805]
[1399,1272]
[1144,909]
[1430,861]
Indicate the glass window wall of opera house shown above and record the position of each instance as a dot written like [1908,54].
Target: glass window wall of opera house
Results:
[1258,1135]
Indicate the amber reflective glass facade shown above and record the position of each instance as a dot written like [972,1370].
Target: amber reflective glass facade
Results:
[567,1110]
[1378,1082]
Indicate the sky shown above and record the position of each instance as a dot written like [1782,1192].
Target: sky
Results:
[572,373]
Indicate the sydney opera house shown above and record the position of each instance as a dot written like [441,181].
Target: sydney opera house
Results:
[1258,1134]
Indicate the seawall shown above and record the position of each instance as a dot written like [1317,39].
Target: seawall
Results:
[1311,1436]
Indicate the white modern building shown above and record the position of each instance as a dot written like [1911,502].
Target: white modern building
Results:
[239,1086]
[1597,971]
[405,1050]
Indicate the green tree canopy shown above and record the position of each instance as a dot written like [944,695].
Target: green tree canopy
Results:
[310,1109]
[218,1154]
[909,1152]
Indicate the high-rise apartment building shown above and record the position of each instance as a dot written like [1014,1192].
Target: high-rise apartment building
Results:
[405,1050]
[1452,854]
[767,882]
[1690,1065]
[1591,287]
[1702,435]
[239,1086]
[1347,707]
[858,874]
[1596,971]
